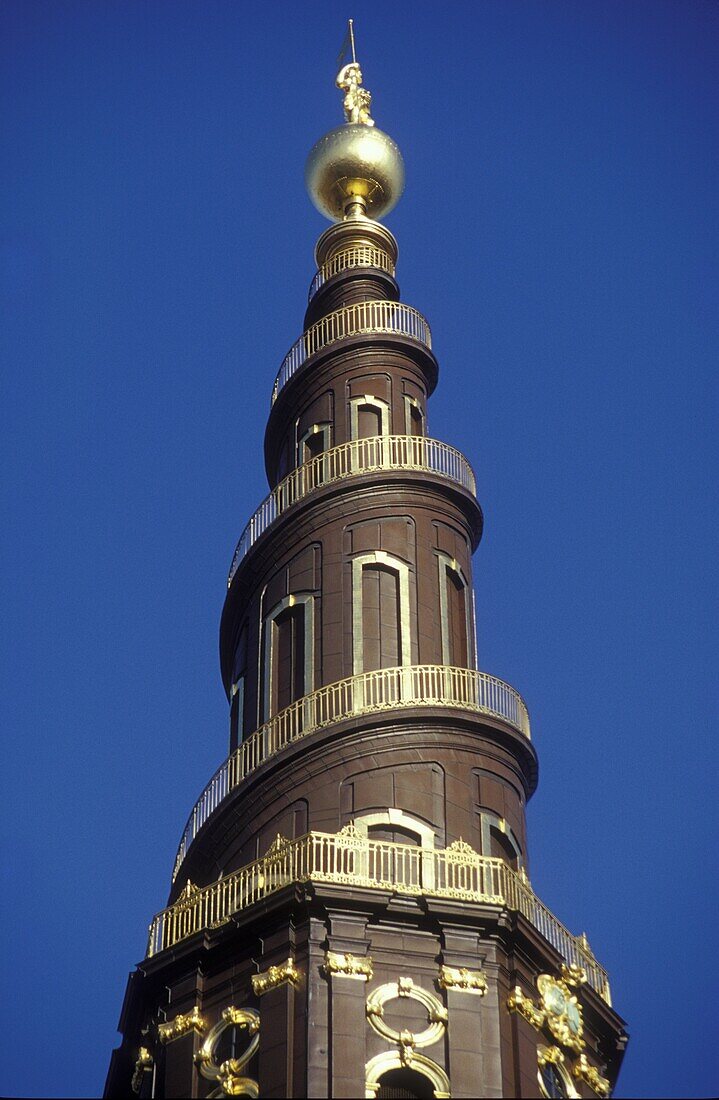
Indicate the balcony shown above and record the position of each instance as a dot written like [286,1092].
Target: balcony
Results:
[368,693]
[359,319]
[360,456]
[349,259]
[351,860]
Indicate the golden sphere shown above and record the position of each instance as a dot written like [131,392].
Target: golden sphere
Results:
[354,160]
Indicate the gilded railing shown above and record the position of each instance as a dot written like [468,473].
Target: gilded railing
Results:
[362,317]
[380,452]
[350,859]
[360,256]
[406,686]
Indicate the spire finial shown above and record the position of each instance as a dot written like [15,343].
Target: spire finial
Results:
[355,170]
[349,80]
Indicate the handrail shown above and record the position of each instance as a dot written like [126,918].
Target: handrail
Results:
[362,317]
[383,689]
[352,859]
[381,452]
[359,256]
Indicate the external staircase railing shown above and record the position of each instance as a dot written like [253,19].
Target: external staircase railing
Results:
[369,692]
[359,319]
[347,260]
[359,456]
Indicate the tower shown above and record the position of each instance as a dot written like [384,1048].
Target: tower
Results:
[351,912]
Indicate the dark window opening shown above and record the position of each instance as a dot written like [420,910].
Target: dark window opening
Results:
[416,420]
[404,1084]
[313,445]
[393,834]
[457,620]
[554,1086]
[288,657]
[381,628]
[502,846]
[369,421]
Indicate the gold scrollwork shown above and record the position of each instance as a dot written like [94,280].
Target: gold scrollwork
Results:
[463,980]
[563,1012]
[348,966]
[582,1070]
[461,851]
[573,975]
[228,1074]
[518,1002]
[406,1040]
[144,1062]
[278,845]
[276,975]
[549,1056]
[175,1029]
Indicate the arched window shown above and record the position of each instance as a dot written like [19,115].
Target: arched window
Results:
[400,1083]
[413,416]
[380,612]
[455,613]
[386,1072]
[554,1081]
[368,416]
[288,653]
[498,839]
[382,824]
[237,691]
[397,827]
[313,442]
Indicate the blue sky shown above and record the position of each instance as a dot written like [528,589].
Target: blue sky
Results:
[559,230]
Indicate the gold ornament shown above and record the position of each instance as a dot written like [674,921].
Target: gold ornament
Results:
[228,1074]
[563,1013]
[355,169]
[524,1006]
[549,1055]
[573,974]
[276,975]
[582,1070]
[348,966]
[406,1040]
[357,99]
[144,1062]
[463,980]
[175,1029]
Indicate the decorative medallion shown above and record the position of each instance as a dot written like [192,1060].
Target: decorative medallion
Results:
[175,1029]
[405,1039]
[563,1013]
[276,975]
[348,966]
[463,980]
[582,1070]
[228,1073]
[143,1063]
